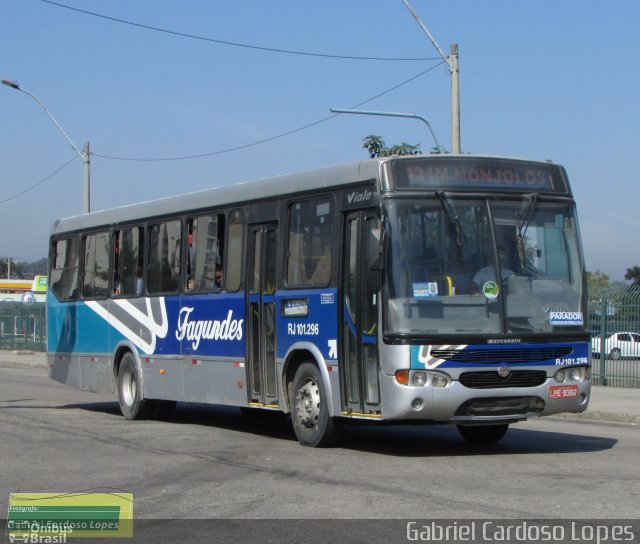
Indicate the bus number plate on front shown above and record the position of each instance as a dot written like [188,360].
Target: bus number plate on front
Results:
[563,391]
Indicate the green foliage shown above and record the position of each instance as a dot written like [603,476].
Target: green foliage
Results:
[23,269]
[376,147]
[597,281]
[16,269]
[633,273]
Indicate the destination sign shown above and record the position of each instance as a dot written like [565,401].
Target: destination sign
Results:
[474,172]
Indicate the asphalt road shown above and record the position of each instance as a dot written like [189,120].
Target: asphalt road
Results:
[212,463]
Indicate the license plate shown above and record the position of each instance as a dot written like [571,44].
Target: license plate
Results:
[563,391]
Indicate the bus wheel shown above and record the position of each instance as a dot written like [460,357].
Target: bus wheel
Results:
[482,434]
[132,405]
[310,410]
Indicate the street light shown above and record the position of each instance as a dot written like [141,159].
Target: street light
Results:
[394,114]
[84,155]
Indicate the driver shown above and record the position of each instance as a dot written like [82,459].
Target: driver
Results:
[488,273]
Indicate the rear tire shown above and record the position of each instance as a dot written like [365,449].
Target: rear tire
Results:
[132,405]
[482,434]
[615,354]
[310,410]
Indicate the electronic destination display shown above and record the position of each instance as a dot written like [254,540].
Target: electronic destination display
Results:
[477,172]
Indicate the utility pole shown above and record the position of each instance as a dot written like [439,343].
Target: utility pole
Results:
[454,70]
[455,100]
[86,186]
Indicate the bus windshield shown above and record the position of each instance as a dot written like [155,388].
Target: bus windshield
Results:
[481,266]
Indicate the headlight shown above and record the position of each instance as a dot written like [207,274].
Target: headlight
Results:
[439,380]
[575,374]
[419,379]
[422,378]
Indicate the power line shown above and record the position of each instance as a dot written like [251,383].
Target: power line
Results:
[40,182]
[233,44]
[271,138]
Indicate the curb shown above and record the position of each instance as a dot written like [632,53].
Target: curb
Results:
[598,415]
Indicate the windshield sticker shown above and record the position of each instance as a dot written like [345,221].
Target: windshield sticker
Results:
[566,319]
[491,290]
[425,289]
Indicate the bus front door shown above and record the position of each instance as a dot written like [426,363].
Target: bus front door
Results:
[360,383]
[261,326]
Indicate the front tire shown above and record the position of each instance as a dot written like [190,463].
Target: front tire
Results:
[615,354]
[132,405]
[482,434]
[310,410]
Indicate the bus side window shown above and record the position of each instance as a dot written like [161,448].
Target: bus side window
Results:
[310,243]
[163,271]
[233,272]
[64,268]
[205,252]
[95,275]
[128,261]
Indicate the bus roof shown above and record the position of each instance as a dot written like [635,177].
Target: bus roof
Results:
[248,191]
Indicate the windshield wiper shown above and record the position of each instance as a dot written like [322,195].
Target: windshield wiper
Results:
[454,223]
[522,228]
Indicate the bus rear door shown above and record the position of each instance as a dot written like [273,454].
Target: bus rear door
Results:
[360,384]
[261,333]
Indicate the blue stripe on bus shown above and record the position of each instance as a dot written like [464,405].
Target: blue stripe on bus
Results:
[569,354]
[207,325]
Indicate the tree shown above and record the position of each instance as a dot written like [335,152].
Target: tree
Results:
[23,269]
[14,267]
[633,273]
[597,280]
[35,268]
[376,147]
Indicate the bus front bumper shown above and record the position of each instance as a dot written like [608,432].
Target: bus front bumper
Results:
[456,403]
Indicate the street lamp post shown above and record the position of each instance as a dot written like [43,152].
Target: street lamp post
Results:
[438,147]
[84,154]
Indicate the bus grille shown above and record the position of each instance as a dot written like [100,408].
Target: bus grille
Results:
[502,406]
[502,355]
[491,380]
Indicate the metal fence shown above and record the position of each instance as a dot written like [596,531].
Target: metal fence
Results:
[23,326]
[614,321]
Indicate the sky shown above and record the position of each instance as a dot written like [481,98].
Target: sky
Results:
[546,80]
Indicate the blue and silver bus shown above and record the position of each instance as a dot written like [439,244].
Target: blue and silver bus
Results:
[422,289]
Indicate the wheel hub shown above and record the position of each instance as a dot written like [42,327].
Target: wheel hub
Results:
[308,402]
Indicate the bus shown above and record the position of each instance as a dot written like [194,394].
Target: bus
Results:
[418,289]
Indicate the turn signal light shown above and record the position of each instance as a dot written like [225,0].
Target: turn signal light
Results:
[402,377]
